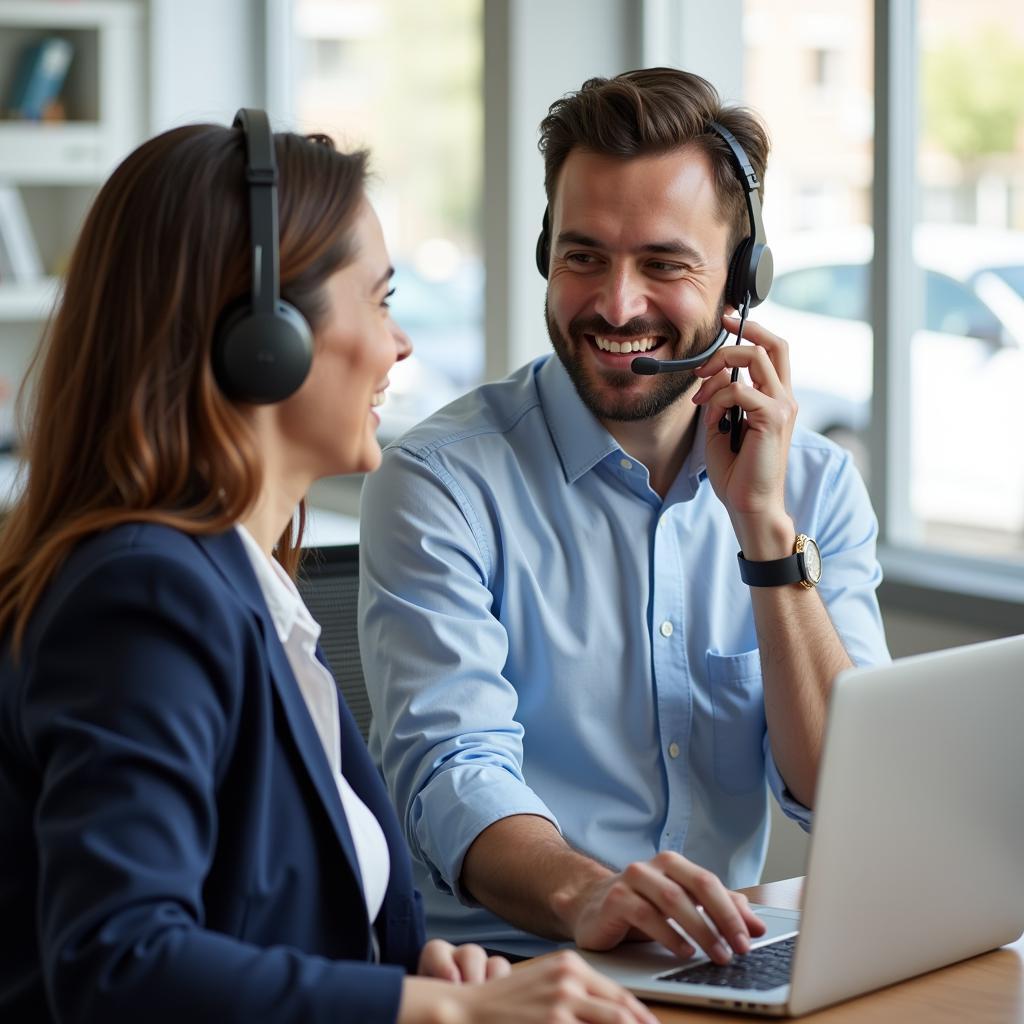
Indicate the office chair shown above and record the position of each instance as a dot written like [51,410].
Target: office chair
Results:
[329,584]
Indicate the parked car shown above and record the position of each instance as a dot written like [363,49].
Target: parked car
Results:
[967,361]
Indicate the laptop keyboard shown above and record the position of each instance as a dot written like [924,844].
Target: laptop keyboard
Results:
[762,968]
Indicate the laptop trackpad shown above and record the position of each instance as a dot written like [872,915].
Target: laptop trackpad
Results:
[653,958]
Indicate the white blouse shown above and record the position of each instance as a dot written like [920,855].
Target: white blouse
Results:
[298,632]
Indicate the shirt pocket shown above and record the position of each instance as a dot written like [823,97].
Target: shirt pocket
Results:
[737,702]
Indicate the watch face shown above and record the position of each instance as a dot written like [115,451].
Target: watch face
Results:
[812,560]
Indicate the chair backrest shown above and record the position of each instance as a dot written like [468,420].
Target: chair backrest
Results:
[329,584]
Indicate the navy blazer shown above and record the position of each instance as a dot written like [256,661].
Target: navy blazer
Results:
[172,842]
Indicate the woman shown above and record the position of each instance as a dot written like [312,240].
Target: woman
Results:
[190,827]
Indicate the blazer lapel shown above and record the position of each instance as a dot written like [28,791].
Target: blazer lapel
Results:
[229,556]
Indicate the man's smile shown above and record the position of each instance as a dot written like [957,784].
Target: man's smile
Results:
[618,352]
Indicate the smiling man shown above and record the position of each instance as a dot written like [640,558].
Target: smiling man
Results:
[582,697]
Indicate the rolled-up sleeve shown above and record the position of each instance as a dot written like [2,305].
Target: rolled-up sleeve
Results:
[444,726]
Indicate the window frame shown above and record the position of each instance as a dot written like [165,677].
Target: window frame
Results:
[972,588]
[519,82]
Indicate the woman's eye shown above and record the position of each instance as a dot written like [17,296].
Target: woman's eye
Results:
[384,302]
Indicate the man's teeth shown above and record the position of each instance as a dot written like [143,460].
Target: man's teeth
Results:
[637,345]
[378,399]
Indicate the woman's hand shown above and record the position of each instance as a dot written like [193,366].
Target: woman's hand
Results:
[559,987]
[469,963]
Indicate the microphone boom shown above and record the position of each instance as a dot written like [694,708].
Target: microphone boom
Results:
[647,366]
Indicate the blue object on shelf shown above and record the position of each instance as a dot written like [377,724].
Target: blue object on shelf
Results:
[41,73]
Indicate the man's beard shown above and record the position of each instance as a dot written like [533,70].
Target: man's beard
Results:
[608,397]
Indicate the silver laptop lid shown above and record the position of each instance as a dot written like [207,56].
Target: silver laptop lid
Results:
[917,856]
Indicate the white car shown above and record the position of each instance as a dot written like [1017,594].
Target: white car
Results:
[967,363]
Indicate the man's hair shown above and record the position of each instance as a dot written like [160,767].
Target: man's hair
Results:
[653,111]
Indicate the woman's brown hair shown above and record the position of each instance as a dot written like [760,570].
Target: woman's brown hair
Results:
[126,422]
[652,111]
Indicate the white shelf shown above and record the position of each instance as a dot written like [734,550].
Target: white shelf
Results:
[67,153]
[57,166]
[28,302]
[101,93]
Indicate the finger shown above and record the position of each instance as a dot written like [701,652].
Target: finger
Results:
[471,961]
[601,999]
[602,1011]
[778,348]
[672,900]
[437,961]
[711,385]
[750,401]
[755,925]
[753,358]
[765,414]
[498,967]
[654,922]
[626,908]
[708,892]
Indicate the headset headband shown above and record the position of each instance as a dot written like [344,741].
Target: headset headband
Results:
[750,267]
[261,175]
[748,176]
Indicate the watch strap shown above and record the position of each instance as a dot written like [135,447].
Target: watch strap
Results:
[775,573]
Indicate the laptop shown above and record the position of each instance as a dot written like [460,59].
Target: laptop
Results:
[917,852]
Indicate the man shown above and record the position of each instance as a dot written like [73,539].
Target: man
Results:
[577,698]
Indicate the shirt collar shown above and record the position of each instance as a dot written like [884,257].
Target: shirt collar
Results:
[580,440]
[286,607]
[695,466]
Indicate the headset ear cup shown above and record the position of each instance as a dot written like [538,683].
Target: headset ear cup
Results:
[762,273]
[739,270]
[543,254]
[262,358]
[544,246]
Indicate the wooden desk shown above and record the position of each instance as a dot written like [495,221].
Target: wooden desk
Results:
[987,989]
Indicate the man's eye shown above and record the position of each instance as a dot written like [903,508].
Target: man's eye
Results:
[583,258]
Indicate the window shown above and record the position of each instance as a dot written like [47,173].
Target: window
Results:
[840,291]
[952,308]
[825,68]
[966,486]
[963,285]
[404,80]
[818,200]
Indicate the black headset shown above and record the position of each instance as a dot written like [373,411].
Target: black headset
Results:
[751,267]
[263,348]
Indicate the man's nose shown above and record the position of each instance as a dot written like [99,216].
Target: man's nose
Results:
[622,296]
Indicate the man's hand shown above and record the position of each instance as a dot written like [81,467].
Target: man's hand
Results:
[751,483]
[469,963]
[642,901]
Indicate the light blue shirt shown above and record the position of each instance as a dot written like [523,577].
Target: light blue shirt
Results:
[542,634]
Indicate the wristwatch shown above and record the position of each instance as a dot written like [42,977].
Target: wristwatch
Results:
[803,567]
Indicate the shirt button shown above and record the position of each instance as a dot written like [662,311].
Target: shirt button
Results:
[625,464]
[666,628]
[673,750]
